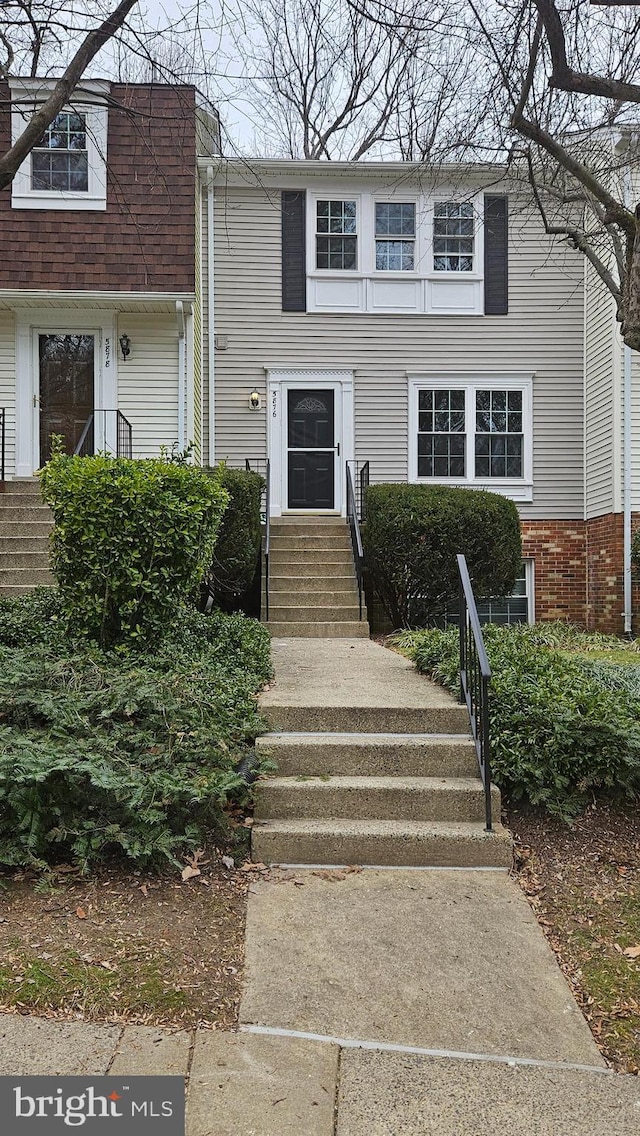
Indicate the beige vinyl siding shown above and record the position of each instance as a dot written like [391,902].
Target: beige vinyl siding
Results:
[542,334]
[601,394]
[8,386]
[197,339]
[635,431]
[148,382]
[204,315]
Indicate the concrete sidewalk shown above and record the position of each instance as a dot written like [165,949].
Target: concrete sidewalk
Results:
[376,1003]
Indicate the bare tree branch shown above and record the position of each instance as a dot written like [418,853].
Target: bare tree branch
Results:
[11,161]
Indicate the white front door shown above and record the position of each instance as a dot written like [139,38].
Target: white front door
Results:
[310,439]
[65,368]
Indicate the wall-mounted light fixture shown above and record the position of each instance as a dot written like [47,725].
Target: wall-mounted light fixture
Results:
[255,400]
[125,345]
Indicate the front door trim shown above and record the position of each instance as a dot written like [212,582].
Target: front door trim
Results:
[30,323]
[279,382]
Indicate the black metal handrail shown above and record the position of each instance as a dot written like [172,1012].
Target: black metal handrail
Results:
[123,435]
[364,484]
[475,677]
[356,537]
[3,438]
[267,524]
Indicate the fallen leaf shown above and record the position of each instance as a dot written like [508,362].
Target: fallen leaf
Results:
[81,913]
[188,873]
[632,952]
[143,889]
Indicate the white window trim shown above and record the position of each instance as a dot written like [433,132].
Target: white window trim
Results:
[312,233]
[89,101]
[30,323]
[518,489]
[427,283]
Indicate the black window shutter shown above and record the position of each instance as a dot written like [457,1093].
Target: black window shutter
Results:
[294,269]
[496,256]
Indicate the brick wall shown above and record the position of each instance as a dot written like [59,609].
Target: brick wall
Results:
[559,551]
[145,239]
[578,573]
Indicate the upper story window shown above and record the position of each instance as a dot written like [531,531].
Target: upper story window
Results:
[470,431]
[395,236]
[67,169]
[336,235]
[453,236]
[60,161]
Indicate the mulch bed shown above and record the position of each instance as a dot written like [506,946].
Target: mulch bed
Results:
[583,883]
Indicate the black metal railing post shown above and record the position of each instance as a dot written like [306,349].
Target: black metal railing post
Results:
[475,679]
[356,537]
[364,482]
[122,434]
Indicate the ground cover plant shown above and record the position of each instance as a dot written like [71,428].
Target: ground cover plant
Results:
[412,534]
[565,715]
[123,750]
[583,883]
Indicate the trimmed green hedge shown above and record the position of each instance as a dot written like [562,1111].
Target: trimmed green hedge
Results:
[412,535]
[131,540]
[237,549]
[562,726]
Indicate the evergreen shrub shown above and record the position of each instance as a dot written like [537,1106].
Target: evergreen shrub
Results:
[131,540]
[412,535]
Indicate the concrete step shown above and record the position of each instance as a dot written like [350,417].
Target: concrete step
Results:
[349,629]
[23,559]
[34,529]
[374,798]
[301,526]
[12,498]
[20,544]
[28,577]
[301,613]
[21,514]
[333,541]
[293,585]
[369,755]
[397,843]
[24,486]
[13,590]
[449,718]
[288,562]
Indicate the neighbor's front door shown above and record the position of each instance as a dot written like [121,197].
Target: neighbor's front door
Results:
[66,386]
[311,449]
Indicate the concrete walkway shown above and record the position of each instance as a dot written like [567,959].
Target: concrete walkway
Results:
[376,1002]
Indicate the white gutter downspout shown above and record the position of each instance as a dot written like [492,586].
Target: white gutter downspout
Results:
[626,491]
[211,339]
[626,457]
[182,375]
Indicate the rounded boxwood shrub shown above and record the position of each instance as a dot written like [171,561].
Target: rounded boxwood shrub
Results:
[412,535]
[131,540]
[236,552]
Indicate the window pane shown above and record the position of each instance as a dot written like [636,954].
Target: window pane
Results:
[395,219]
[453,231]
[425,399]
[336,252]
[394,256]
